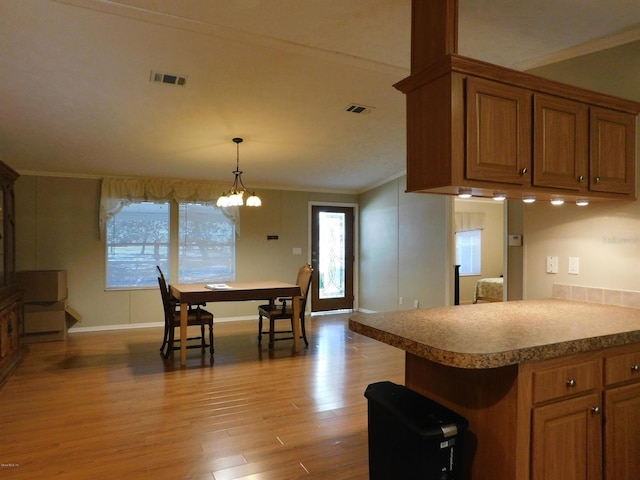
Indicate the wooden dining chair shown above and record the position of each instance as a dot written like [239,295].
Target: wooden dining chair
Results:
[282,309]
[196,316]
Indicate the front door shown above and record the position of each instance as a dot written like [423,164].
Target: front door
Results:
[332,257]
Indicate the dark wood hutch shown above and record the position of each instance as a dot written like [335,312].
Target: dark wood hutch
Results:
[11,314]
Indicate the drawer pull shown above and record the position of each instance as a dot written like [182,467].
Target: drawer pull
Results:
[523,171]
[595,410]
[581,178]
[571,383]
[635,368]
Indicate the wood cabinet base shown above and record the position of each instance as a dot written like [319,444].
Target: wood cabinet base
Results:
[569,417]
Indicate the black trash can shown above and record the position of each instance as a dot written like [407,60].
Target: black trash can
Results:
[412,436]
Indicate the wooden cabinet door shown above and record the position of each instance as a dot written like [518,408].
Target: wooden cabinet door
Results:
[622,433]
[498,120]
[566,441]
[612,156]
[560,143]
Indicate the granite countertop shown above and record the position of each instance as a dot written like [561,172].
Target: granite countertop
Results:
[491,335]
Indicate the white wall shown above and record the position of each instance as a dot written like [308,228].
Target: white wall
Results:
[605,236]
[403,249]
[57,228]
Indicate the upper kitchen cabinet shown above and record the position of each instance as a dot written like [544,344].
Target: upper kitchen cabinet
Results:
[498,121]
[612,151]
[560,143]
[473,125]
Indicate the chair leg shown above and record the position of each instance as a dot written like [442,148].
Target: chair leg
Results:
[259,329]
[203,342]
[304,330]
[211,339]
[164,339]
[271,332]
[170,339]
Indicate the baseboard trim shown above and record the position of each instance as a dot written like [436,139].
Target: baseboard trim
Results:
[131,326]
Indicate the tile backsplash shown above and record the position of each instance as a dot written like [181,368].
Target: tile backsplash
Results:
[623,298]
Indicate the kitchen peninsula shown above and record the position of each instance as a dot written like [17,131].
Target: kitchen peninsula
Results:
[536,379]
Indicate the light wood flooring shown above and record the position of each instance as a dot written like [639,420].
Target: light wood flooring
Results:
[105,405]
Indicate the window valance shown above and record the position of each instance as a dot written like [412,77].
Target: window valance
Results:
[467,221]
[118,192]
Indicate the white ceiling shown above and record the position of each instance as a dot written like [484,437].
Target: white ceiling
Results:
[76,96]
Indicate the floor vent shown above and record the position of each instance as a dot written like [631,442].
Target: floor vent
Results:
[355,108]
[169,78]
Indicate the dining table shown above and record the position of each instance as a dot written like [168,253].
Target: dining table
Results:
[268,290]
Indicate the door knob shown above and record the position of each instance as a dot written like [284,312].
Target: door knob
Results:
[595,410]
[571,383]
[635,368]
[523,171]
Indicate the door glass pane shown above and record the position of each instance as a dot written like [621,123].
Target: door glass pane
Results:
[331,254]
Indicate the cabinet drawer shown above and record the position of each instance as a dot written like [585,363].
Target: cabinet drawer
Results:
[622,368]
[566,381]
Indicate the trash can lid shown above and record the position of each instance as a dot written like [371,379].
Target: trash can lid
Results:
[426,417]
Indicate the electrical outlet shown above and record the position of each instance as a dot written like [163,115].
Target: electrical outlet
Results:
[416,304]
[401,300]
[552,264]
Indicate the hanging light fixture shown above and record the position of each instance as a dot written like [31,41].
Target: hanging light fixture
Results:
[235,196]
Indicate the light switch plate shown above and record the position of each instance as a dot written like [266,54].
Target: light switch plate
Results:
[552,264]
[574,265]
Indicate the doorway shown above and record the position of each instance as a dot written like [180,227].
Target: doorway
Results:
[332,257]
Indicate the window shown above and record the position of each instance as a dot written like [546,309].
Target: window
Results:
[207,249]
[469,252]
[139,238]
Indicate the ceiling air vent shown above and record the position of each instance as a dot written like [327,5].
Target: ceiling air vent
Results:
[169,78]
[355,108]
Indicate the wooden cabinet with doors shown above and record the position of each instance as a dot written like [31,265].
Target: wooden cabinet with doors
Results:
[11,349]
[475,125]
[560,143]
[566,421]
[622,414]
[574,417]
[498,126]
[612,151]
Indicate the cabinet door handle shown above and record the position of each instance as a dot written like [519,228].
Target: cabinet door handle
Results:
[581,178]
[523,171]
[595,410]
[597,179]
[571,383]
[635,368]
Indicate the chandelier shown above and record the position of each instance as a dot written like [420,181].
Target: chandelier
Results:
[235,196]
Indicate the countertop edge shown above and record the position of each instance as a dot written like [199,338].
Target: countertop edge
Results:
[484,360]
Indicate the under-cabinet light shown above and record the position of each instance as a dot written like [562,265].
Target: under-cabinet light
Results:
[499,196]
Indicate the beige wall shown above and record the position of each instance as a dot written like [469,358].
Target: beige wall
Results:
[605,236]
[403,249]
[57,228]
[492,260]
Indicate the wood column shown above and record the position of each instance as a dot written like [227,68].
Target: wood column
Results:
[434,31]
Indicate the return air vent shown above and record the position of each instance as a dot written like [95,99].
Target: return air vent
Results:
[169,78]
[360,109]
